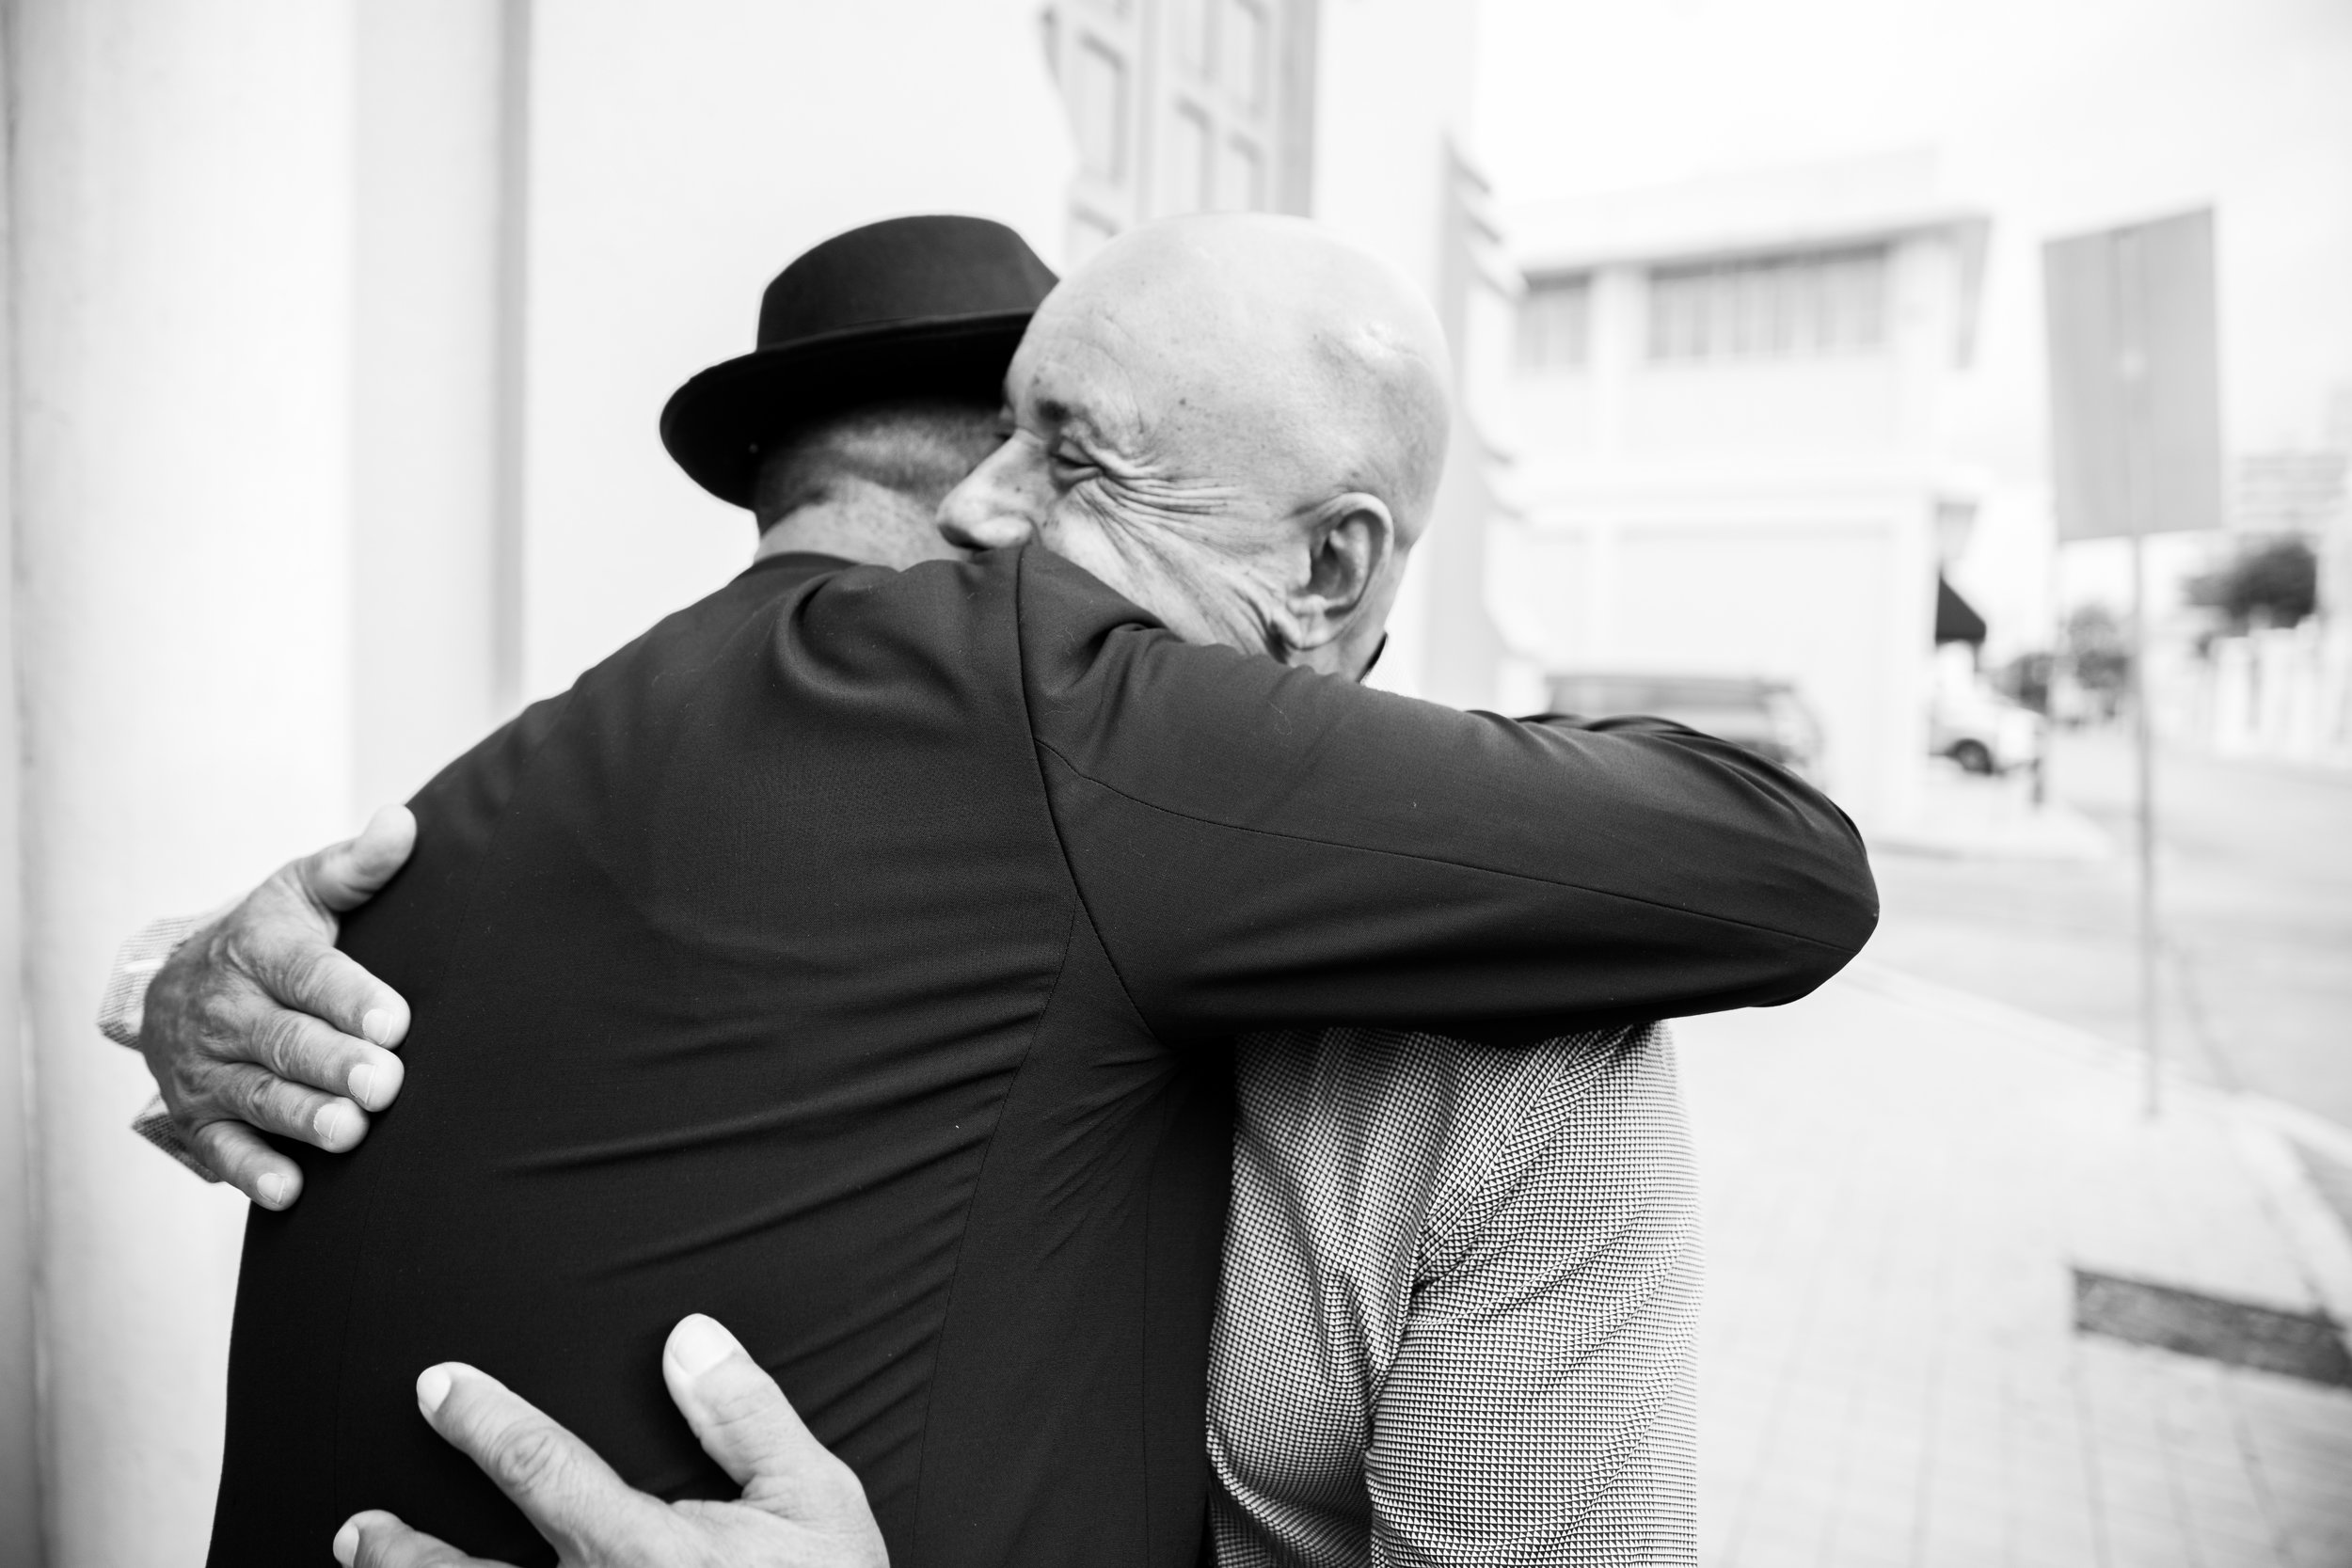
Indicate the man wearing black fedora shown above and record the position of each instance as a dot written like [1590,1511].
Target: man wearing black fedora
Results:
[848,955]
[875,387]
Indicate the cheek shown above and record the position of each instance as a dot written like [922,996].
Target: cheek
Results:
[1079,531]
[1201,593]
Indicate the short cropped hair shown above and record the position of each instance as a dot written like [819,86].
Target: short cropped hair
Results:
[915,446]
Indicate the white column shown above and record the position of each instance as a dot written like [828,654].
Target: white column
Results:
[20,1491]
[1391,99]
[426,388]
[184,221]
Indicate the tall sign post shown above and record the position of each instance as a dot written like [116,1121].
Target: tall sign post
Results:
[2136,445]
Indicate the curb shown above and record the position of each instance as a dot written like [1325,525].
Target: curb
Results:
[2265,1131]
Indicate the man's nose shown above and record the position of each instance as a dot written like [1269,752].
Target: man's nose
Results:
[992,508]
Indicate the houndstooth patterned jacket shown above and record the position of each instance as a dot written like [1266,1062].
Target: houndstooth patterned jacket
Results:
[121,1008]
[1460,1289]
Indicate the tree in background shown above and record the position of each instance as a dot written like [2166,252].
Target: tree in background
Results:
[2096,649]
[2025,680]
[2269,582]
[2096,654]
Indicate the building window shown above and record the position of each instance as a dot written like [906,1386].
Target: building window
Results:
[1183,106]
[2289,492]
[1245,55]
[1554,322]
[1098,104]
[1811,305]
[1191,25]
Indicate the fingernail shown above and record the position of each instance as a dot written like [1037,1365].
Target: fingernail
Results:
[347,1543]
[273,1189]
[362,1084]
[699,1343]
[376,1026]
[333,1122]
[432,1389]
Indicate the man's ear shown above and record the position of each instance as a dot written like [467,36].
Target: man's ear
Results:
[1349,540]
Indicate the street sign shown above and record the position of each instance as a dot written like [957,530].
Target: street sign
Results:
[2135,384]
[2136,450]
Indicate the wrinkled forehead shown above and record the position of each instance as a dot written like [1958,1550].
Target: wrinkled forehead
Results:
[1165,346]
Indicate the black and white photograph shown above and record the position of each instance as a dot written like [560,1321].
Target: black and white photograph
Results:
[1176,784]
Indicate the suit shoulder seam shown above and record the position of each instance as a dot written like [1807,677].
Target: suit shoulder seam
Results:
[1045,796]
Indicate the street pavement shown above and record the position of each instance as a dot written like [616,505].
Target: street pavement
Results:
[1899,1179]
[2255,886]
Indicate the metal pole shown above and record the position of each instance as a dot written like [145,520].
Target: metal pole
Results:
[2131,304]
[2143,735]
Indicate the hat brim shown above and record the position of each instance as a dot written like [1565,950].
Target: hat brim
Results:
[716,425]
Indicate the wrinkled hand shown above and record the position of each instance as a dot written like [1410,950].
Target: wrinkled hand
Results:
[802,1508]
[258,1025]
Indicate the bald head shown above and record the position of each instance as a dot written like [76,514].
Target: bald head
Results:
[1270,341]
[1237,421]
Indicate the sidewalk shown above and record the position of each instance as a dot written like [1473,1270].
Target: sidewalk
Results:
[1899,1180]
[1963,816]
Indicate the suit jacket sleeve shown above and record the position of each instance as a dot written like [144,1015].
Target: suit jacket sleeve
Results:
[1263,846]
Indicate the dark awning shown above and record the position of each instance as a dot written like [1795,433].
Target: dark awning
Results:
[1956,619]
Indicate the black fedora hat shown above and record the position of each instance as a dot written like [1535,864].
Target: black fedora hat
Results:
[917,306]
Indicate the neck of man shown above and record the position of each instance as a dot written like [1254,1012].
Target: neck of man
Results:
[859,521]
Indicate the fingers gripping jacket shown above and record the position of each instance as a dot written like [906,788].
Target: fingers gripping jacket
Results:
[122,1008]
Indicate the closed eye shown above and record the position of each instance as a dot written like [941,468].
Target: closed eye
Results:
[1071,467]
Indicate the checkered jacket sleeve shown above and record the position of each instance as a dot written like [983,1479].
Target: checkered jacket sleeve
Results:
[122,1008]
[1460,1298]
[1541,1407]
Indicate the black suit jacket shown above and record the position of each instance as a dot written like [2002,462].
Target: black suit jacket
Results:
[851,958]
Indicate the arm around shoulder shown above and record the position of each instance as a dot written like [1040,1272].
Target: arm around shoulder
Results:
[1263,846]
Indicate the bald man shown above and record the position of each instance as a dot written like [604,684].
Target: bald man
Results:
[1460,1281]
[850,956]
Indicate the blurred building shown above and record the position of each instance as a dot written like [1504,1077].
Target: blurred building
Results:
[342,329]
[1723,412]
[2285,690]
[2299,492]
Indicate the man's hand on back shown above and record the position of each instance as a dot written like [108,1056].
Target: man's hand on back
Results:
[258,1025]
[800,1508]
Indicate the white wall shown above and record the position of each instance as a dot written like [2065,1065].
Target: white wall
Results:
[1393,88]
[1394,84]
[680,154]
[426,415]
[182,236]
[20,1445]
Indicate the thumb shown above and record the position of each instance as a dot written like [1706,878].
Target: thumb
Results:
[743,1421]
[344,875]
